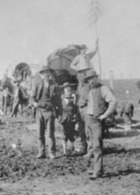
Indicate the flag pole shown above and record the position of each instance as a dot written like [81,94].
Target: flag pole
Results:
[94,9]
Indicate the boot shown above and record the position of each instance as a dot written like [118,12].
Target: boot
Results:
[52,155]
[83,149]
[52,148]
[41,153]
[64,147]
[88,155]
[72,148]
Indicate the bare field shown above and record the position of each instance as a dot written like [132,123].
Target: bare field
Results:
[21,173]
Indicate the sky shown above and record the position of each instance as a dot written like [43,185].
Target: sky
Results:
[32,29]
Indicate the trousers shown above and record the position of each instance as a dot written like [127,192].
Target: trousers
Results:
[95,132]
[82,127]
[46,121]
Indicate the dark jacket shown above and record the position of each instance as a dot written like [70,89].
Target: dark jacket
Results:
[69,110]
[54,93]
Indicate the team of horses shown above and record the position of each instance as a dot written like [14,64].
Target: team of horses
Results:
[28,82]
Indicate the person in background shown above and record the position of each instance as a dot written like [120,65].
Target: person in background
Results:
[69,116]
[100,104]
[20,98]
[127,110]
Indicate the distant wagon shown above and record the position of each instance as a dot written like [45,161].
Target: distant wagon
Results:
[60,61]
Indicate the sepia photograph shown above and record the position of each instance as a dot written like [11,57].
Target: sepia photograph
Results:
[69,97]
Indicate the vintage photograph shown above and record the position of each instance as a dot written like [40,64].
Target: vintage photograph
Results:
[69,97]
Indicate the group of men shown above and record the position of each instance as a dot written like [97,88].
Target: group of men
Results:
[86,111]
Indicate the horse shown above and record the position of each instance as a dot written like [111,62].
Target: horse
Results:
[7,88]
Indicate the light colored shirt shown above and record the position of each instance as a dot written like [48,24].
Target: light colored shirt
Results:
[81,61]
[107,96]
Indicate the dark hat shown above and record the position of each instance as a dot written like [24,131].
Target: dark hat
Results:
[91,73]
[83,46]
[45,69]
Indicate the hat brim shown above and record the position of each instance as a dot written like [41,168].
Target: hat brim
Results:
[70,85]
[87,78]
[44,71]
[84,69]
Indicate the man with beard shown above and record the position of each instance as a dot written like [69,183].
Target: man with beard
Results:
[46,100]
[101,103]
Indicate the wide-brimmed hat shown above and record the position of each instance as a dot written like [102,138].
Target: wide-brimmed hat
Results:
[66,84]
[83,46]
[91,73]
[45,69]
[83,68]
[17,81]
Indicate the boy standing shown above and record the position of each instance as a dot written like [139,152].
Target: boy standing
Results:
[69,116]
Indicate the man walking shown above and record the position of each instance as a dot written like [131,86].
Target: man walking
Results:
[46,100]
[101,103]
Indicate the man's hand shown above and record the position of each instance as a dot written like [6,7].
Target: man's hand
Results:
[102,117]
[35,104]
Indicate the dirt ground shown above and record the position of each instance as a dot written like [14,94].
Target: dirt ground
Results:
[21,173]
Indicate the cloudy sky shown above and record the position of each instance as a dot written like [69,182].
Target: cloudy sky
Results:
[31,29]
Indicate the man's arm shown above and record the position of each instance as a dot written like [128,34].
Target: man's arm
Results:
[110,99]
[94,51]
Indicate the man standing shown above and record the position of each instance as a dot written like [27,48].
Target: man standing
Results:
[101,103]
[69,116]
[46,100]
[81,63]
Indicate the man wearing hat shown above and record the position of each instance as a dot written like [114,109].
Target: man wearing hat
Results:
[69,116]
[81,63]
[100,104]
[46,100]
